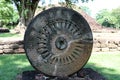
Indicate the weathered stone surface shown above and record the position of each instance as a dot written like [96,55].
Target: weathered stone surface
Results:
[103,45]
[119,44]
[19,50]
[112,49]
[97,45]
[105,49]
[14,46]
[91,73]
[8,51]
[116,43]
[60,39]
[6,46]
[112,45]
[1,51]
[21,46]
[102,41]
[96,49]
[1,43]
[11,46]
[1,47]
[118,48]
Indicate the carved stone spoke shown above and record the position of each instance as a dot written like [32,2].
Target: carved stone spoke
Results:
[58,41]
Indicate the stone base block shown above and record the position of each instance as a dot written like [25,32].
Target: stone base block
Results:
[105,49]
[83,74]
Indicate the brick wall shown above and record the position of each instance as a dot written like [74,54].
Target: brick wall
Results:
[103,45]
[11,47]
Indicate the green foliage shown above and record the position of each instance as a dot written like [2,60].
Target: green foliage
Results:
[86,9]
[7,13]
[116,14]
[109,18]
[102,15]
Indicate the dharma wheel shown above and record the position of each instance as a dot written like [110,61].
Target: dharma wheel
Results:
[58,41]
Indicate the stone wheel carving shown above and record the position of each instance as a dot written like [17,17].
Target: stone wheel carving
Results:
[58,42]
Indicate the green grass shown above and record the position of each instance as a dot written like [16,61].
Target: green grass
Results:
[5,35]
[11,65]
[106,64]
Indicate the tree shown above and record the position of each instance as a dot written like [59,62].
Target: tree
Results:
[6,14]
[101,15]
[86,9]
[109,18]
[116,14]
[6,11]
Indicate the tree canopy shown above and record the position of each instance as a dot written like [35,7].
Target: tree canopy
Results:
[116,14]
[6,13]
[109,18]
[86,9]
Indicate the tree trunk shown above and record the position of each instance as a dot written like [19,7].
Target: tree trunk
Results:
[26,9]
[20,28]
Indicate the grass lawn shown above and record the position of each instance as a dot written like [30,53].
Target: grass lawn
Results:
[11,65]
[6,35]
[106,64]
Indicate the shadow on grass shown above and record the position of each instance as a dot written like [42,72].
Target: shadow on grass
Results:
[12,65]
[108,73]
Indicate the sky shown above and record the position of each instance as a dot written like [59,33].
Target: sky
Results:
[95,5]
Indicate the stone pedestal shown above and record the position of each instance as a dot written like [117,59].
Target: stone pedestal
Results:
[83,74]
